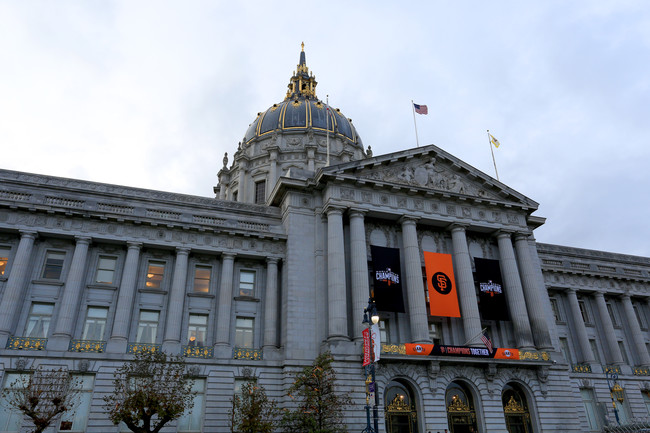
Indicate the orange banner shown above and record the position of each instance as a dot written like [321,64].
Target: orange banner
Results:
[443,300]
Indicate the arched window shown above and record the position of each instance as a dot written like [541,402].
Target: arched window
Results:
[515,409]
[461,414]
[401,412]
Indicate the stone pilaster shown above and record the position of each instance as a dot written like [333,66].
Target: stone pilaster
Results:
[613,350]
[241,189]
[637,334]
[126,294]
[175,311]
[514,292]
[580,329]
[338,321]
[72,293]
[359,270]
[15,289]
[465,284]
[224,309]
[414,287]
[271,303]
[533,292]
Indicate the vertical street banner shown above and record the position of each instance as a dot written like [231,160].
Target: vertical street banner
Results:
[366,347]
[375,338]
[387,279]
[492,299]
[441,284]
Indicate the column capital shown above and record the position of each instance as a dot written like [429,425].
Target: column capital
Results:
[357,212]
[522,236]
[571,290]
[184,251]
[28,234]
[456,227]
[229,256]
[83,239]
[273,260]
[334,209]
[599,295]
[408,219]
[626,296]
[134,245]
[501,234]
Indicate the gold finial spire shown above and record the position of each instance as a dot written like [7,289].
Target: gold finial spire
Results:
[302,45]
[302,84]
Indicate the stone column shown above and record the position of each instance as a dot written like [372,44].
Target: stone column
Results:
[175,309]
[465,284]
[224,309]
[533,292]
[15,288]
[72,294]
[124,307]
[241,189]
[273,170]
[338,320]
[358,270]
[514,292]
[271,303]
[581,330]
[608,328]
[637,334]
[414,286]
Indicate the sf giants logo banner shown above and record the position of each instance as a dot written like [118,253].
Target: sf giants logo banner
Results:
[443,300]
[492,305]
[387,279]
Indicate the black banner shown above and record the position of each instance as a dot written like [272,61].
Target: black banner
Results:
[387,279]
[492,299]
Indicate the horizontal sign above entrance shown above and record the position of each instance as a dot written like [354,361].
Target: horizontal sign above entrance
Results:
[465,351]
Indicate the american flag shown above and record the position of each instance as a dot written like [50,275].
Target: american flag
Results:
[421,109]
[486,340]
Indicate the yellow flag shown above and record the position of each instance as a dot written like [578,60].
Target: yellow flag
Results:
[494,140]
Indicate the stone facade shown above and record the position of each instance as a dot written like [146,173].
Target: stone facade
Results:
[275,270]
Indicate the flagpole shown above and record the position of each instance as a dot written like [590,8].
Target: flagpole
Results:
[327,127]
[474,337]
[417,142]
[492,152]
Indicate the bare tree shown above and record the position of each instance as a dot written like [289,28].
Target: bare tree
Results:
[150,391]
[42,395]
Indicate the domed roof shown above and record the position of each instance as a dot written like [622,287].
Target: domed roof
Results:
[301,111]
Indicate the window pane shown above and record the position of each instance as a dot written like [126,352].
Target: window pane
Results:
[10,420]
[106,270]
[260,192]
[95,324]
[53,265]
[155,274]
[76,420]
[4,258]
[590,408]
[190,421]
[202,279]
[147,327]
[244,332]
[197,329]
[38,322]
[246,283]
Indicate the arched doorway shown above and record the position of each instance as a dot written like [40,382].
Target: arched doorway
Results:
[401,412]
[461,414]
[515,409]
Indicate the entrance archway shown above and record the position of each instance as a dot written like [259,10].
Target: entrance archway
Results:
[401,412]
[515,409]
[461,412]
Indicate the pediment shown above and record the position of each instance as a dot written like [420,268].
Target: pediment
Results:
[428,170]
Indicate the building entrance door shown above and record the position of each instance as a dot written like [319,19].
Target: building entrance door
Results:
[401,414]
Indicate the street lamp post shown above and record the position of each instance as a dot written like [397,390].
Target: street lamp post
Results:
[615,390]
[371,384]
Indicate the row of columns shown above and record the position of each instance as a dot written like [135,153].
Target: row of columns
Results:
[73,292]
[517,266]
[611,342]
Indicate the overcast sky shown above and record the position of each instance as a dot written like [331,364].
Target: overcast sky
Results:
[152,93]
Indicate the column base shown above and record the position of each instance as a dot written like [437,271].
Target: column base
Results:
[223,350]
[117,345]
[59,343]
[171,347]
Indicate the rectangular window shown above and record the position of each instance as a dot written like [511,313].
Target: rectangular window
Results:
[246,283]
[621,347]
[38,322]
[612,315]
[10,420]
[383,331]
[76,420]
[53,265]
[244,332]
[639,317]
[4,258]
[646,400]
[155,273]
[434,333]
[197,330]
[202,279]
[191,421]
[147,327]
[556,310]
[564,346]
[583,311]
[260,192]
[594,348]
[589,402]
[95,324]
[106,270]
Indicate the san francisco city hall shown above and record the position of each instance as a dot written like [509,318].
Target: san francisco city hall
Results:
[277,268]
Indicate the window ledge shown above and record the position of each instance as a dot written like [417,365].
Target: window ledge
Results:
[247,298]
[49,282]
[200,295]
[3,278]
[160,292]
[102,286]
